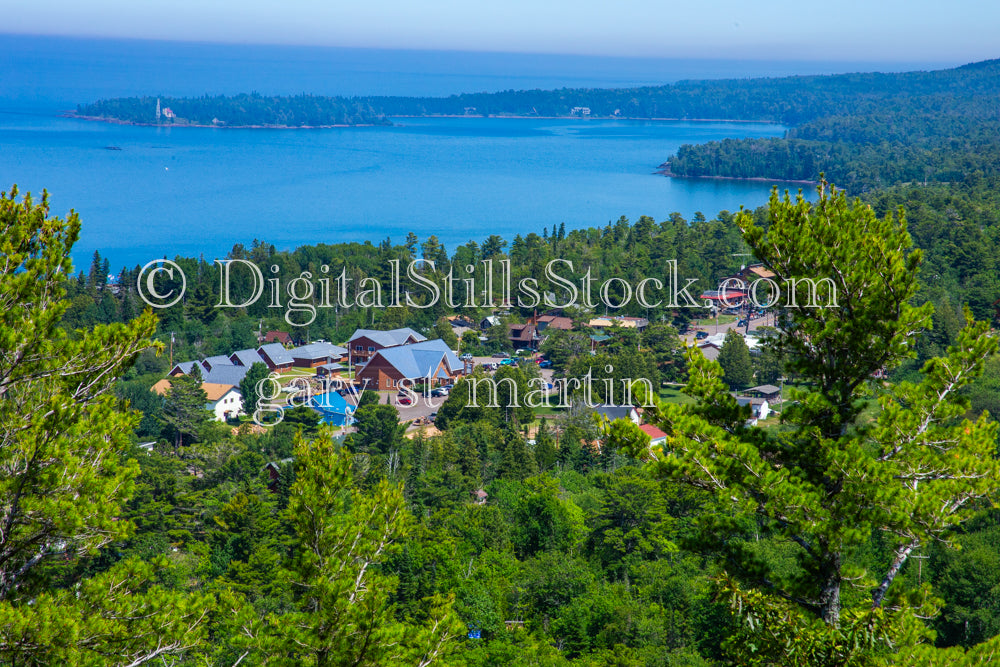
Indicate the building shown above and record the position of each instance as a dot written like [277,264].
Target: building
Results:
[656,436]
[768,391]
[613,412]
[276,357]
[553,322]
[246,358]
[224,400]
[282,337]
[317,354]
[430,361]
[523,336]
[637,323]
[212,370]
[759,408]
[364,343]
[214,362]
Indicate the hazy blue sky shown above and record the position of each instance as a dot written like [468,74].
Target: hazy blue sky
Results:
[925,30]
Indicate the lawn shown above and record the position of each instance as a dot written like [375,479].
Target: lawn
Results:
[674,395]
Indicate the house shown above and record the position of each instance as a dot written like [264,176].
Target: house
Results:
[183,368]
[490,321]
[276,357]
[317,354]
[709,350]
[479,496]
[759,408]
[637,323]
[431,361]
[214,362]
[224,400]
[613,412]
[212,370]
[553,322]
[523,336]
[364,343]
[278,337]
[246,358]
[656,436]
[168,113]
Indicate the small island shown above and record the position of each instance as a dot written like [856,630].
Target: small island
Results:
[238,111]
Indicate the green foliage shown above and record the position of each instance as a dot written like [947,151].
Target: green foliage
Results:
[830,480]
[341,534]
[248,386]
[184,414]
[734,358]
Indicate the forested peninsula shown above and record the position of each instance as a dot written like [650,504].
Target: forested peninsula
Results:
[248,110]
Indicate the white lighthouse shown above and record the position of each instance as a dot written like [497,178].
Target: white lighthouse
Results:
[157,109]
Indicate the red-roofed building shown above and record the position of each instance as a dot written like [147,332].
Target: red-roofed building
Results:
[656,436]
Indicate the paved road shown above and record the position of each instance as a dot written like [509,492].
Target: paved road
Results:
[709,326]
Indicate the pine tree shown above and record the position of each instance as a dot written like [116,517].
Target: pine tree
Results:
[341,537]
[64,473]
[184,412]
[734,357]
[249,386]
[832,479]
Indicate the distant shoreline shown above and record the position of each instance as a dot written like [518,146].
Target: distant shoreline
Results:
[119,121]
[577,117]
[664,170]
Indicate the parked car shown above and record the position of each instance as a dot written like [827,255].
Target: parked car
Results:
[701,335]
[545,364]
[466,356]
[508,362]
[440,391]
[403,399]
[500,355]
[741,323]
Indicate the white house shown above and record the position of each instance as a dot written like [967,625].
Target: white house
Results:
[759,408]
[224,400]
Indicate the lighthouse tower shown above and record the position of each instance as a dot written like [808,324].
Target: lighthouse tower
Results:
[157,109]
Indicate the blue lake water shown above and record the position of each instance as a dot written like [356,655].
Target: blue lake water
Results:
[189,191]
[192,191]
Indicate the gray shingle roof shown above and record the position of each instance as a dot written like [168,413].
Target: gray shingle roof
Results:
[318,351]
[389,338]
[217,360]
[221,374]
[613,412]
[277,353]
[184,367]
[246,358]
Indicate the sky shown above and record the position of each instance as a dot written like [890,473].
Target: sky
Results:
[846,30]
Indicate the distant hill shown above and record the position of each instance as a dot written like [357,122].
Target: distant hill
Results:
[248,110]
